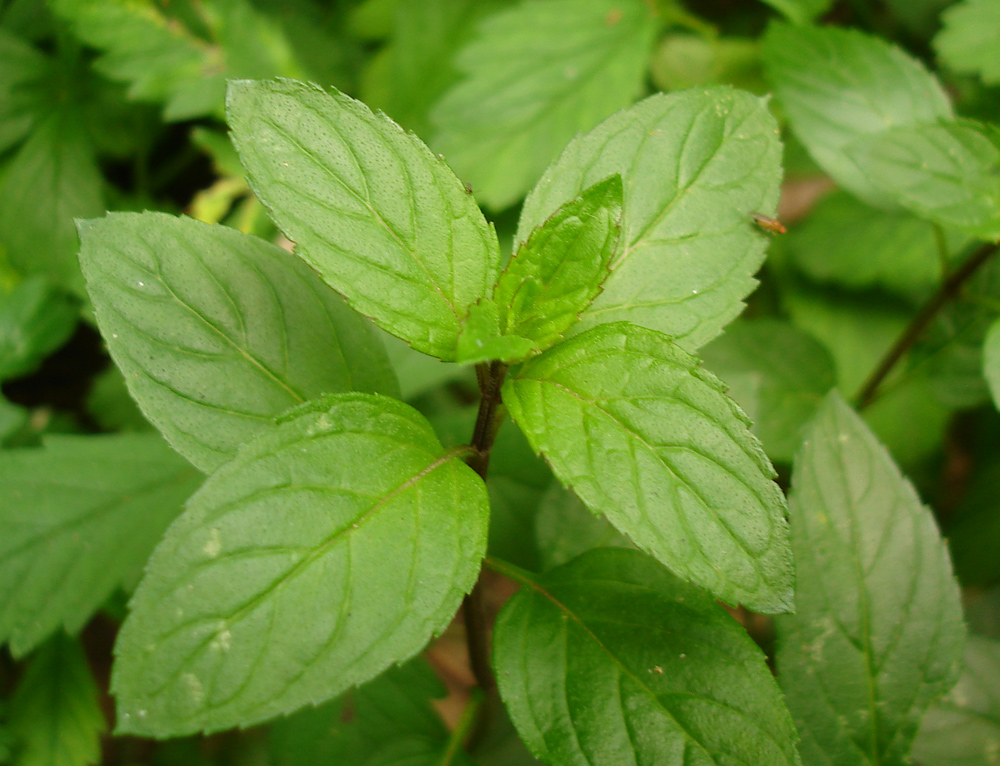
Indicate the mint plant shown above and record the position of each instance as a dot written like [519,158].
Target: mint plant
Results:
[388,472]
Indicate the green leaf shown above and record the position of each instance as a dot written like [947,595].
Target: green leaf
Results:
[687,60]
[694,165]
[610,660]
[535,76]
[565,528]
[970,39]
[948,173]
[13,418]
[111,407]
[878,631]
[481,338]
[778,374]
[21,65]
[559,270]
[837,85]
[383,221]
[366,725]
[164,59]
[35,320]
[56,715]
[327,549]
[963,728]
[800,11]
[893,250]
[78,519]
[991,361]
[218,332]
[52,179]
[644,436]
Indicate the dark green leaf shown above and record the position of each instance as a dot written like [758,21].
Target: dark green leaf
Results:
[963,728]
[991,361]
[35,320]
[878,631]
[559,270]
[56,715]
[837,85]
[78,518]
[694,165]
[382,220]
[217,332]
[947,173]
[646,437]
[610,660]
[326,550]
[537,75]
[970,39]
[778,375]
[973,528]
[565,528]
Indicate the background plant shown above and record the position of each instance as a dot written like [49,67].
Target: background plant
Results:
[274,422]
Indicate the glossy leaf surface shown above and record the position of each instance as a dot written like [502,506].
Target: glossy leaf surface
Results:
[326,550]
[646,437]
[218,332]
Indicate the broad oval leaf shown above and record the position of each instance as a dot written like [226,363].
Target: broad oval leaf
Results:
[560,269]
[610,660]
[970,39]
[947,173]
[837,85]
[694,165]
[878,632]
[650,440]
[326,550]
[218,332]
[536,75]
[381,219]
[78,519]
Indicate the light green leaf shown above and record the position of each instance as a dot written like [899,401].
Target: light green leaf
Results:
[537,75]
[565,528]
[646,437]
[35,320]
[13,418]
[779,375]
[963,728]
[970,39]
[52,179]
[991,361]
[694,165]
[217,332]
[559,270]
[21,65]
[687,60]
[164,59]
[878,632]
[893,250]
[610,660]
[481,338]
[274,589]
[800,11]
[837,85]
[948,173]
[78,518]
[366,725]
[56,715]
[383,221]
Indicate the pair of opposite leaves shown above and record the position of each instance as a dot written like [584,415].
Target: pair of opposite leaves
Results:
[297,524]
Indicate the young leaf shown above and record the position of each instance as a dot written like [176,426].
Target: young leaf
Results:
[217,332]
[56,717]
[79,518]
[837,85]
[481,339]
[779,375]
[963,728]
[991,361]
[560,269]
[947,173]
[644,436]
[694,165]
[537,75]
[878,632]
[970,39]
[327,549]
[35,320]
[610,660]
[383,221]
[800,11]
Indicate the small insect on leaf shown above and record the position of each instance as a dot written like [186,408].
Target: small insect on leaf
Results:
[771,224]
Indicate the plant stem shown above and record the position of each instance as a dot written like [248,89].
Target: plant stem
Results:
[948,290]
